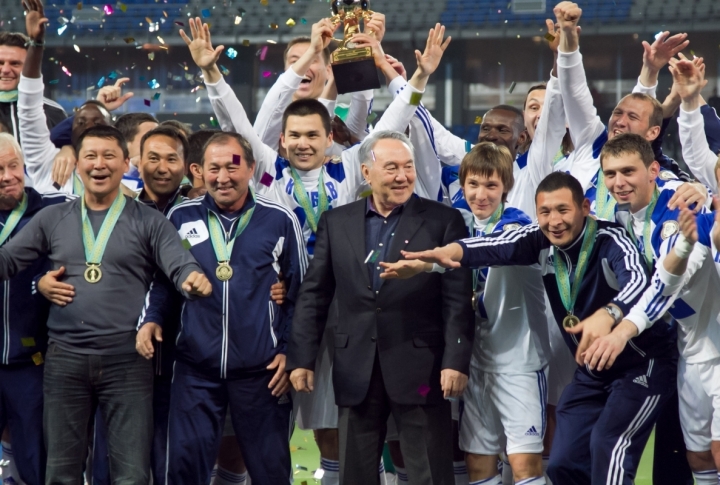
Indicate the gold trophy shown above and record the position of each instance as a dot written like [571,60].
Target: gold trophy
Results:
[353,67]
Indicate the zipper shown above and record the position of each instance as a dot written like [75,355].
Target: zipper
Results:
[6,322]
[271,311]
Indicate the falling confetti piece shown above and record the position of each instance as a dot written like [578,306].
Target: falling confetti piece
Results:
[270,41]
[658,35]
[423,390]
[62,20]
[62,29]
[478,120]
[156,96]
[147,102]
[213,122]
[246,42]
[205,13]
[108,10]
[300,467]
[236,159]
[267,74]
[266,179]
[293,449]
[165,14]
[238,19]
[264,3]
[263,52]
[148,20]
[231,53]
[101,81]
[241,11]
[123,7]
[303,21]
[129,40]
[154,84]
[76,47]
[274,26]
[291,2]
[160,39]
[66,71]
[180,24]
[290,23]
[319,473]
[79,6]
[151,56]
[371,117]
[54,81]
[549,37]
[512,87]
[224,70]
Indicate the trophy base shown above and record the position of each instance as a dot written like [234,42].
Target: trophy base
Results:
[354,70]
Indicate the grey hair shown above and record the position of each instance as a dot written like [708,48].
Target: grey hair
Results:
[8,139]
[365,152]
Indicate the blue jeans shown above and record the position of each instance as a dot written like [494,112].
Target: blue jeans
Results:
[75,385]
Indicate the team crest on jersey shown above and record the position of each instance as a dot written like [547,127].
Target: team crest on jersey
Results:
[669,228]
[511,227]
[667,175]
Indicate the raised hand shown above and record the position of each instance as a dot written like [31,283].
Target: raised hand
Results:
[321,35]
[367,40]
[688,76]
[112,97]
[553,29]
[376,26]
[397,66]
[200,46]
[659,53]
[35,20]
[429,60]
[568,16]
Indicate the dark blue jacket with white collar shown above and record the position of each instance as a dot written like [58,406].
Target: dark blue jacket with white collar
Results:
[615,274]
[24,310]
[238,327]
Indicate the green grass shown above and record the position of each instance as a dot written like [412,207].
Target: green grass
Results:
[305,454]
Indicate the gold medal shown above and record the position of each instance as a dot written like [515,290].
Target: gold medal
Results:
[570,321]
[93,273]
[223,272]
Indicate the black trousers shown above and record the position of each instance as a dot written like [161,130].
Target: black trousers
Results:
[425,438]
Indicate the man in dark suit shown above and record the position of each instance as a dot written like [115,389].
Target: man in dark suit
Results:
[401,347]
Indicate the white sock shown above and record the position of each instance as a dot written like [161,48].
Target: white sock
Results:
[496,480]
[545,463]
[401,474]
[708,477]
[225,477]
[213,473]
[532,481]
[461,474]
[381,471]
[332,471]
[507,476]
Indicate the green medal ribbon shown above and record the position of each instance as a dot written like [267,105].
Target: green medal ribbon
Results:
[95,246]
[562,276]
[222,247]
[647,232]
[494,218]
[78,187]
[313,216]
[604,202]
[13,219]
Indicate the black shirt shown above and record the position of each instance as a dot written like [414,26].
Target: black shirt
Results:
[379,231]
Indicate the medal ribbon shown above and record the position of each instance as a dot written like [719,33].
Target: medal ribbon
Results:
[562,276]
[647,232]
[604,202]
[13,219]
[312,216]
[223,248]
[494,219]
[78,187]
[95,247]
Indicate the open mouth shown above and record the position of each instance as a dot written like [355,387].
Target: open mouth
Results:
[305,80]
[303,157]
[99,178]
[623,194]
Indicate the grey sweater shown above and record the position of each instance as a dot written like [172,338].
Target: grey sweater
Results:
[103,317]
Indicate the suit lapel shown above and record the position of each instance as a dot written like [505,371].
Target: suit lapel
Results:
[410,222]
[355,232]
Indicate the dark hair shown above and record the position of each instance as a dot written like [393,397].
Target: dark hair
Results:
[656,117]
[305,40]
[628,144]
[308,107]
[223,138]
[129,124]
[102,131]
[170,132]
[537,87]
[100,106]
[197,143]
[519,115]
[179,125]
[486,159]
[561,180]
[14,39]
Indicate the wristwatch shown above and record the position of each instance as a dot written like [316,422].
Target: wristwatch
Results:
[615,313]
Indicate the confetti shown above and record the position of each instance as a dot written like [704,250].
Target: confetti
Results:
[129,40]
[147,102]
[266,179]
[303,21]
[423,390]
[319,473]
[66,71]
[236,159]
[290,23]
[165,14]
[246,42]
[123,7]
[512,87]
[148,20]
[180,24]
[238,19]
[658,35]
[291,2]
[273,26]
[270,41]
[62,20]
[241,11]
[205,13]
[549,37]
[154,84]
[263,52]
[54,81]
[151,56]
[231,53]
[160,39]
[79,6]
[267,74]
[156,96]
[224,70]
[264,3]
[76,47]
[300,467]
[108,10]
[371,117]
[101,81]
[62,29]
[213,122]
[478,120]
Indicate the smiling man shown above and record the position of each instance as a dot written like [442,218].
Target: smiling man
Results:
[13,49]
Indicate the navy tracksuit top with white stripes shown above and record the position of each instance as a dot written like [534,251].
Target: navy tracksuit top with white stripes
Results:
[615,274]
[238,328]
[24,309]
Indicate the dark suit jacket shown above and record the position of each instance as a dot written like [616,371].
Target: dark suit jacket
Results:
[419,326]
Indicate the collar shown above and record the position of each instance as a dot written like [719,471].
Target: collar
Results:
[209,203]
[573,248]
[9,96]
[370,207]
[480,223]
[144,198]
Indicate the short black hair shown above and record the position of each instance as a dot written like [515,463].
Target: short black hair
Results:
[129,124]
[519,115]
[305,40]
[308,107]
[179,125]
[561,180]
[536,87]
[14,39]
[628,144]
[197,143]
[223,138]
[100,106]
[171,132]
[102,131]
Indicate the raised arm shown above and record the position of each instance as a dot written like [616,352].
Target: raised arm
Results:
[656,56]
